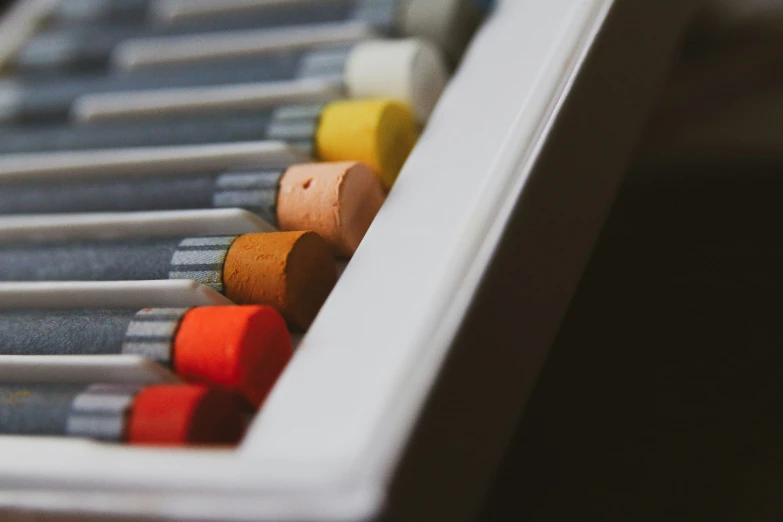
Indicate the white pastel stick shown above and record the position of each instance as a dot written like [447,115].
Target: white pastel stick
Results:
[122,225]
[194,100]
[169,293]
[19,23]
[147,161]
[170,50]
[184,10]
[83,369]
[411,70]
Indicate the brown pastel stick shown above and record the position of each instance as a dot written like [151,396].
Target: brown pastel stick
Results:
[290,271]
[337,200]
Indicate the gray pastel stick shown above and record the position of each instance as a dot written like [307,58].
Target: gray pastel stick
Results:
[74,49]
[297,129]
[263,14]
[384,14]
[97,411]
[255,191]
[81,11]
[138,11]
[121,413]
[448,23]
[149,333]
[88,48]
[198,259]
[49,100]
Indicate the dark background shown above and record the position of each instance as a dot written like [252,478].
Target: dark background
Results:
[661,398]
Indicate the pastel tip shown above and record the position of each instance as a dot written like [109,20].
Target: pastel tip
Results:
[242,349]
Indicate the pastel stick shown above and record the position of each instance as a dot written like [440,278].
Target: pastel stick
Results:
[242,349]
[49,100]
[88,48]
[448,23]
[146,194]
[410,71]
[132,260]
[60,332]
[336,200]
[139,11]
[293,272]
[162,415]
[25,410]
[380,133]
[182,131]
[113,11]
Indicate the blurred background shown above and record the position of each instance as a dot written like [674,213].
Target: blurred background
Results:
[662,396]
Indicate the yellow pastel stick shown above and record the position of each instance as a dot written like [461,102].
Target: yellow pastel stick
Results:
[380,133]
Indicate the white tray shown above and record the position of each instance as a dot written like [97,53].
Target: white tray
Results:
[402,395]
